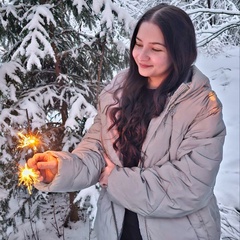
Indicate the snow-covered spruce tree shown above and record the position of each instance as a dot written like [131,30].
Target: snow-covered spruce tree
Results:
[57,55]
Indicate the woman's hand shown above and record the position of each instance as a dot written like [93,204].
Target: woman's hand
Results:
[46,166]
[103,180]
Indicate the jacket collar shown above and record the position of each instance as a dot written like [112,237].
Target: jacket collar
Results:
[189,87]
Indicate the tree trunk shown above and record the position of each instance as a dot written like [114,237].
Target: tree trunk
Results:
[100,66]
[73,214]
[212,19]
[74,209]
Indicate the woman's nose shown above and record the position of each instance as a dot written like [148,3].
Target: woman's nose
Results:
[143,54]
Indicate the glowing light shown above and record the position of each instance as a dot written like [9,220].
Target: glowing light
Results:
[28,140]
[27,177]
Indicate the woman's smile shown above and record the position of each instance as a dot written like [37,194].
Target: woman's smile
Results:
[151,55]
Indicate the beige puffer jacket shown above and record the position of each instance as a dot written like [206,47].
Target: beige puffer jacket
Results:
[173,192]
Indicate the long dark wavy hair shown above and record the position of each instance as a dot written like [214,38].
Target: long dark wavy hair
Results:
[131,115]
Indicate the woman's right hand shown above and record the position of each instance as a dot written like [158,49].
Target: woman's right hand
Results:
[45,164]
[103,180]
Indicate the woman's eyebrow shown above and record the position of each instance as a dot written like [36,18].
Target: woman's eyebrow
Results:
[137,38]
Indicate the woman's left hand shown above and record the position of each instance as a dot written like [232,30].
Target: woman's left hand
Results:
[103,180]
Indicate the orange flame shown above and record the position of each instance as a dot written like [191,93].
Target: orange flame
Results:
[27,177]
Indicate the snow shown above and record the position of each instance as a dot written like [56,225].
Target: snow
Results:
[206,10]
[38,37]
[79,108]
[225,75]
[97,5]
[208,35]
[107,15]
[3,193]
[223,71]
[79,4]
[8,69]
[92,206]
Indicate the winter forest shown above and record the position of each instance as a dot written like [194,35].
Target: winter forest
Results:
[55,58]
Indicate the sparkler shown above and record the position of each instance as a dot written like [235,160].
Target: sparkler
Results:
[27,176]
[28,140]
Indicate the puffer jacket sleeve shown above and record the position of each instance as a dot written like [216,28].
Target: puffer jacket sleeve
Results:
[82,167]
[179,186]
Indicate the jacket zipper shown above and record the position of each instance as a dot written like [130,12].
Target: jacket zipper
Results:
[145,222]
[115,221]
[141,164]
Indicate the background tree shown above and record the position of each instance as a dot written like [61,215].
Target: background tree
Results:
[56,57]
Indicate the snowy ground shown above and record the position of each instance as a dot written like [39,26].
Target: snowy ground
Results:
[223,70]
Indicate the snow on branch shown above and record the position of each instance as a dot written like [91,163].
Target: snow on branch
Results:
[44,96]
[219,21]
[214,33]
[9,69]
[107,14]
[39,99]
[5,11]
[213,11]
[124,16]
[90,194]
[80,108]
[35,45]
[35,101]
[107,9]
[80,4]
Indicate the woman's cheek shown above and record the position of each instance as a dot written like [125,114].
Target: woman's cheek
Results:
[134,54]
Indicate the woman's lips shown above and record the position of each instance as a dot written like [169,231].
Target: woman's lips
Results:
[141,65]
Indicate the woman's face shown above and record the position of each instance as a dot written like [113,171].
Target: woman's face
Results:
[151,55]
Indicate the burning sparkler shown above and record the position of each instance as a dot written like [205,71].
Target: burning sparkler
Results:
[28,140]
[27,176]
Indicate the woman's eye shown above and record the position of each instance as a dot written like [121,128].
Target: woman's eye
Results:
[156,50]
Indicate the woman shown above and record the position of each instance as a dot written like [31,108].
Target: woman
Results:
[156,143]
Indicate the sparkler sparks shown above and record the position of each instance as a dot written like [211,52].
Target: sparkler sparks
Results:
[28,140]
[27,177]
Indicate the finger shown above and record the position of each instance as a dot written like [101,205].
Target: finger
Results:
[104,179]
[107,160]
[46,165]
[32,162]
[103,185]
[38,157]
[41,178]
